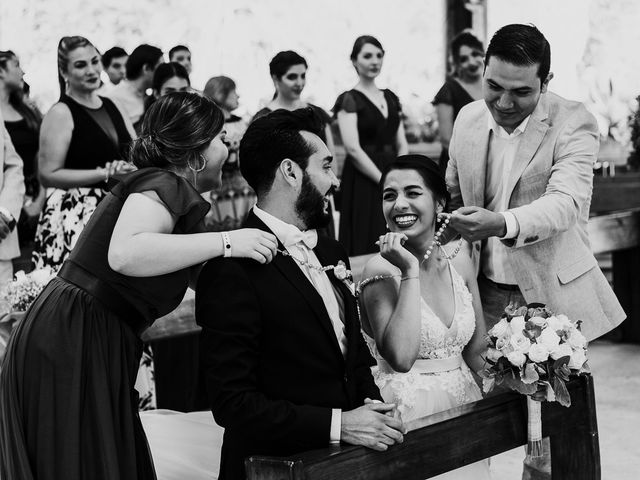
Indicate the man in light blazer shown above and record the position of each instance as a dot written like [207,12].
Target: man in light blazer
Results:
[11,198]
[522,166]
[521,173]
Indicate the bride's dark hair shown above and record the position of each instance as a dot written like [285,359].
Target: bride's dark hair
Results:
[426,168]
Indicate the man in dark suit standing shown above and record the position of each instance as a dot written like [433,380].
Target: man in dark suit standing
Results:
[285,365]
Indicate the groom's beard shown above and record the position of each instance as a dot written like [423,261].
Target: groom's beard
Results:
[310,205]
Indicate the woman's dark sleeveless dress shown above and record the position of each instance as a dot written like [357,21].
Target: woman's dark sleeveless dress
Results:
[451,93]
[68,409]
[99,136]
[361,219]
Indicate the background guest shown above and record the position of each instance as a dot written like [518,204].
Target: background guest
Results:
[233,200]
[114,63]
[130,93]
[11,197]
[464,86]
[22,120]
[168,77]
[373,135]
[83,142]
[181,55]
[289,74]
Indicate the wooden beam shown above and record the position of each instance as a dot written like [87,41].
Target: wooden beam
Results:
[457,437]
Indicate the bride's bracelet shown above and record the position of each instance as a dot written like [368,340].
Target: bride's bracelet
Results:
[409,277]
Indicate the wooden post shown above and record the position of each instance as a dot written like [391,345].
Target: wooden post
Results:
[457,437]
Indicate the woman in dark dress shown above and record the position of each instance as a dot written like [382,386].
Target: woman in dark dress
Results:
[83,143]
[463,87]
[68,409]
[289,74]
[22,120]
[371,128]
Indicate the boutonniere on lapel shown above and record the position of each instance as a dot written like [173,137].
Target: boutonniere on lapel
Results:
[343,274]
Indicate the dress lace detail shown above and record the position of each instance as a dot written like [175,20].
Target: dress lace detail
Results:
[436,342]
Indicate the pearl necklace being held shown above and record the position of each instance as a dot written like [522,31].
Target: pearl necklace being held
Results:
[436,241]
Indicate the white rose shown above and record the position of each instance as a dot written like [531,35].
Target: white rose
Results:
[499,329]
[564,321]
[549,338]
[503,345]
[562,350]
[576,339]
[539,321]
[538,353]
[520,343]
[554,324]
[517,324]
[516,358]
[578,357]
[493,354]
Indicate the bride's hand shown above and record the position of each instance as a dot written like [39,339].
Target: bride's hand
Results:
[392,250]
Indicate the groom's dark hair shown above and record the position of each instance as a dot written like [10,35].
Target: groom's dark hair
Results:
[271,139]
[521,45]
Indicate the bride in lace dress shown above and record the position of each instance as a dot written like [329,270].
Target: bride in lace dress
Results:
[421,313]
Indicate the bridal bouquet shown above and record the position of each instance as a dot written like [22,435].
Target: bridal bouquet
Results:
[20,293]
[533,351]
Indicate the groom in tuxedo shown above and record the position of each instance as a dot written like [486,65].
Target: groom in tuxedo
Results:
[286,368]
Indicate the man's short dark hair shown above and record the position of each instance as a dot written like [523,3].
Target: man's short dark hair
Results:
[142,55]
[271,139]
[114,52]
[177,48]
[521,45]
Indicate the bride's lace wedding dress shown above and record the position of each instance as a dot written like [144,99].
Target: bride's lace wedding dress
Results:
[440,379]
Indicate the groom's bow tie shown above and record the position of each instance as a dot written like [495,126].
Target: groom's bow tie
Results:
[308,237]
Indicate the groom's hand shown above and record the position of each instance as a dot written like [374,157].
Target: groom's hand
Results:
[475,223]
[371,426]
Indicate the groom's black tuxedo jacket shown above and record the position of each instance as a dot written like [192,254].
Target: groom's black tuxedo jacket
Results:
[271,361]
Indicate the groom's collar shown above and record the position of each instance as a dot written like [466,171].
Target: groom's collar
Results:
[287,233]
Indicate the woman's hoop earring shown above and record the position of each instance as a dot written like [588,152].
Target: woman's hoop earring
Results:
[197,170]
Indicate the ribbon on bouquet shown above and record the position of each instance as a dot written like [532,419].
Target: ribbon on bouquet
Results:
[534,427]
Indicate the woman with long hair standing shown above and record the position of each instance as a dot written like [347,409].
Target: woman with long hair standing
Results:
[370,124]
[22,120]
[289,75]
[68,409]
[83,143]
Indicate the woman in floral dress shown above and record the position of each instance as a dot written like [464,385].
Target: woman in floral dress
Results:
[83,143]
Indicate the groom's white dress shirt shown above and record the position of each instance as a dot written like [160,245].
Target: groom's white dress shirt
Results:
[300,245]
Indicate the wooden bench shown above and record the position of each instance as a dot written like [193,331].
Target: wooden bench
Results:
[457,437]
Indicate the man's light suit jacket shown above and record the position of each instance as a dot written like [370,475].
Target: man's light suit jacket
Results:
[11,190]
[549,191]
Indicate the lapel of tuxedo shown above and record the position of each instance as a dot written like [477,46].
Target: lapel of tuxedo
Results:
[532,138]
[292,272]
[348,300]
[477,158]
